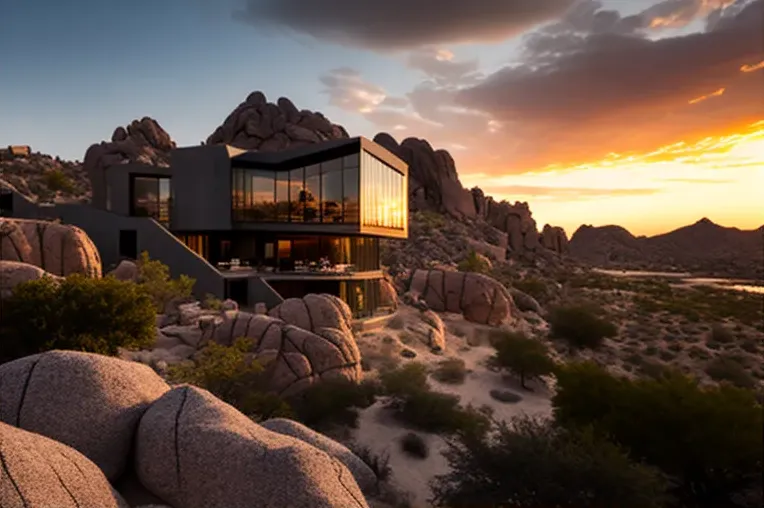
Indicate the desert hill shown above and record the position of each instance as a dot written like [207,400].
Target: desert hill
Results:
[703,248]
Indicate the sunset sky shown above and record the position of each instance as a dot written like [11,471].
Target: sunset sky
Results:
[643,113]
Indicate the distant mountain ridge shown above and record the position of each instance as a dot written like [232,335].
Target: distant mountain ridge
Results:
[703,248]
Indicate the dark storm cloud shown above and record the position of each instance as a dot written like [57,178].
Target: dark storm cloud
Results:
[613,89]
[403,24]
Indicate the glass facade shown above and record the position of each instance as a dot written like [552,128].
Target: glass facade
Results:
[151,198]
[362,296]
[383,194]
[327,192]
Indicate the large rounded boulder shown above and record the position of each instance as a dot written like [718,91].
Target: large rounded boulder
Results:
[481,299]
[195,451]
[13,243]
[38,472]
[60,249]
[13,273]
[362,473]
[314,312]
[90,402]
[296,358]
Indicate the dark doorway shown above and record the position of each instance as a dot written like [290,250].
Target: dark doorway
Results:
[6,203]
[128,243]
[237,291]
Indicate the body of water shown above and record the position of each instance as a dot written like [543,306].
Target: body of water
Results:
[687,278]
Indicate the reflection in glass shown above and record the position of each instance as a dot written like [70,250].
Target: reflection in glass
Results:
[262,192]
[151,198]
[350,195]
[331,191]
[313,193]
[296,196]
[383,194]
[282,196]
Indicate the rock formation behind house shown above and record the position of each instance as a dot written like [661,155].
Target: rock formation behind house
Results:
[257,124]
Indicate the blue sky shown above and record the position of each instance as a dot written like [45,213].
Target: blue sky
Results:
[72,71]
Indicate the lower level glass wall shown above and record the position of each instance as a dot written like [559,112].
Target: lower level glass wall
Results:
[362,296]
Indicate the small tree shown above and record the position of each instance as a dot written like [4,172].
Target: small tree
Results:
[525,357]
[531,463]
[231,374]
[474,262]
[77,313]
[580,326]
[726,368]
[154,279]
[708,439]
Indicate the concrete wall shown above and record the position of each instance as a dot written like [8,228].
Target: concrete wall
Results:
[201,182]
[260,291]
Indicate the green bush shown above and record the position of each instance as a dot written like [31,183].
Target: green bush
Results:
[580,326]
[534,287]
[532,463]
[415,404]
[474,262]
[333,402]
[414,445]
[525,357]
[79,313]
[451,371]
[56,181]
[707,439]
[230,374]
[726,368]
[154,279]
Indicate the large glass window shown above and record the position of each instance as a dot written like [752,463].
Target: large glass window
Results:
[282,196]
[151,198]
[383,194]
[296,195]
[350,195]
[262,186]
[313,193]
[331,191]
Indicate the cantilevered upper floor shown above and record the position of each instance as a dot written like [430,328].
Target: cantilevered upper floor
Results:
[342,187]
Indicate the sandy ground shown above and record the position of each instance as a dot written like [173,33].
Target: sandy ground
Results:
[378,431]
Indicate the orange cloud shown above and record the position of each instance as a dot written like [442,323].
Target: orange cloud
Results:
[704,97]
[754,67]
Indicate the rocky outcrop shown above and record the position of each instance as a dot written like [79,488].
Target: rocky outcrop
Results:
[257,124]
[195,451]
[90,402]
[144,141]
[478,297]
[38,472]
[296,358]
[554,239]
[362,473]
[60,249]
[126,270]
[388,296]
[42,178]
[314,312]
[13,273]
[433,181]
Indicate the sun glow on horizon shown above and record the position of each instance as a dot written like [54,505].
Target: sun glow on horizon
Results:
[721,177]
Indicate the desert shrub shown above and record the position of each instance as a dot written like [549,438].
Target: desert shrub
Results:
[154,278]
[415,404]
[580,326]
[672,423]
[451,371]
[474,262]
[527,358]
[505,396]
[750,346]
[379,463]
[333,402]
[532,463]
[407,337]
[212,302]
[414,445]
[230,374]
[79,313]
[535,287]
[57,180]
[721,334]
[727,368]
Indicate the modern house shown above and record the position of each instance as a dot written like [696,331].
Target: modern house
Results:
[251,226]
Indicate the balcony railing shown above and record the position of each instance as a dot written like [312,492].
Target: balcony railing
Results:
[289,266]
